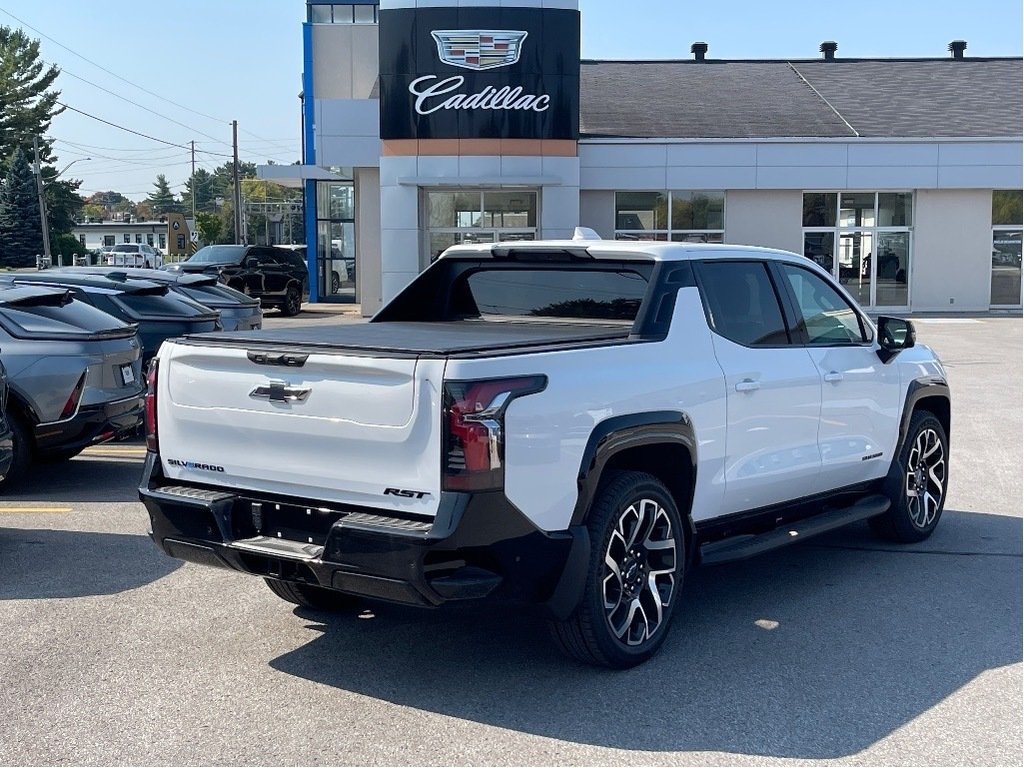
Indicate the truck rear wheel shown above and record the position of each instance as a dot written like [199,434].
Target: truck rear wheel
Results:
[635,573]
[309,596]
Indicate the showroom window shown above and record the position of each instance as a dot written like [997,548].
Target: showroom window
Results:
[462,216]
[336,240]
[343,13]
[864,240]
[1006,247]
[694,216]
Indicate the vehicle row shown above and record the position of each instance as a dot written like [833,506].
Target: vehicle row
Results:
[74,345]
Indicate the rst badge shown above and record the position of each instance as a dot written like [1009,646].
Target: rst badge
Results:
[479,48]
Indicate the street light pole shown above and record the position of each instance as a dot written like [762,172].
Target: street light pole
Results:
[42,197]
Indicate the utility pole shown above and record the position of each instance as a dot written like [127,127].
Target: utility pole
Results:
[42,201]
[239,234]
[193,184]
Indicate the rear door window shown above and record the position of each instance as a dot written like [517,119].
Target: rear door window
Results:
[71,319]
[156,305]
[741,303]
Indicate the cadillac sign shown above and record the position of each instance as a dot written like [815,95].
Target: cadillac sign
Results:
[453,73]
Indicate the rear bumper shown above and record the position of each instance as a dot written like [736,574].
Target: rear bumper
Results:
[478,545]
[92,424]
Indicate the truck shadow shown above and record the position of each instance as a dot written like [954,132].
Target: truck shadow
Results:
[814,652]
[82,479]
[42,563]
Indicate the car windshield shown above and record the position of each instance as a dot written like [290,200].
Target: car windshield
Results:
[217,254]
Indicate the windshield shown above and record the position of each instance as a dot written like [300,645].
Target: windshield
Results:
[218,254]
[71,319]
[167,306]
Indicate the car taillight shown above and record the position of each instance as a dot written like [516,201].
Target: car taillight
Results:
[474,422]
[72,404]
[152,443]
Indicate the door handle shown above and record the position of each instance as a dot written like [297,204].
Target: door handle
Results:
[747,385]
[833,376]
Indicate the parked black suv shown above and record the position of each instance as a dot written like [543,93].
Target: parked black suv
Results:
[276,276]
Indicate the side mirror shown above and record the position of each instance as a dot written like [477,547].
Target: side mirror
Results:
[894,335]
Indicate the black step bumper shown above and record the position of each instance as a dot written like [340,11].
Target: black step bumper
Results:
[478,545]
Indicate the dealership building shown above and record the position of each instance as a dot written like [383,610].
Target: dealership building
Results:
[431,123]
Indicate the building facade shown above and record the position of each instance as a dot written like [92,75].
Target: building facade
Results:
[429,124]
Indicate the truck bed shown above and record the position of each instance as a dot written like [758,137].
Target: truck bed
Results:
[461,337]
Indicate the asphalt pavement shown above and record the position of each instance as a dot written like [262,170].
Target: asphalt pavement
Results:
[841,649]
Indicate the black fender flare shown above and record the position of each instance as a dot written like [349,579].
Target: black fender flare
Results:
[919,389]
[608,438]
[620,433]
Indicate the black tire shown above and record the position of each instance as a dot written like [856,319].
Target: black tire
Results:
[919,474]
[21,437]
[292,302]
[588,634]
[335,282]
[309,596]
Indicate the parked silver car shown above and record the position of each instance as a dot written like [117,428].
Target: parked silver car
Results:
[74,373]
[238,312]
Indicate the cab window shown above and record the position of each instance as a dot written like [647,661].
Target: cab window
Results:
[741,303]
[827,318]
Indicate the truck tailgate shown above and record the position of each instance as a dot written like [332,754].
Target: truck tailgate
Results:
[337,428]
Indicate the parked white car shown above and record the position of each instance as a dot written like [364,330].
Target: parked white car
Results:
[573,423]
[135,255]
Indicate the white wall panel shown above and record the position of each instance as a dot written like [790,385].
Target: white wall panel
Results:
[710,177]
[623,155]
[980,176]
[813,177]
[711,154]
[952,250]
[437,166]
[623,178]
[892,177]
[800,155]
[893,154]
[349,151]
[474,166]
[513,165]
[565,168]
[771,219]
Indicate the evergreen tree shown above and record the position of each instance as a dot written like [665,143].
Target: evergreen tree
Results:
[162,201]
[21,236]
[26,104]
[203,184]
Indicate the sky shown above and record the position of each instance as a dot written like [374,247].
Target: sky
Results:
[181,71]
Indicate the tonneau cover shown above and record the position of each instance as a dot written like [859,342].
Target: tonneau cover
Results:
[424,338]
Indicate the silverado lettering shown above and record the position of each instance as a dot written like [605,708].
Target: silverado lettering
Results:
[194,465]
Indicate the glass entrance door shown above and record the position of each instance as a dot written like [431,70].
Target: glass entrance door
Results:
[465,216]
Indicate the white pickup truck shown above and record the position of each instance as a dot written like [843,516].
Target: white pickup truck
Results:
[572,423]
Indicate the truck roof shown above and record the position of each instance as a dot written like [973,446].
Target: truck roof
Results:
[619,249]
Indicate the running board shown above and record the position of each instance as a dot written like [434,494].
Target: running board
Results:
[744,546]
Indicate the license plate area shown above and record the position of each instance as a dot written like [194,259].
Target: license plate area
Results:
[292,522]
[127,374]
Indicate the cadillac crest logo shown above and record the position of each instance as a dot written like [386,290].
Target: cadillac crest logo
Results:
[479,48]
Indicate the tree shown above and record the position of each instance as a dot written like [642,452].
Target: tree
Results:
[209,227]
[63,204]
[223,180]
[93,211]
[27,105]
[162,200]
[204,186]
[68,246]
[21,236]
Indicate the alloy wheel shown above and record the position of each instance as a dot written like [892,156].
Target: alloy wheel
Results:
[926,478]
[640,568]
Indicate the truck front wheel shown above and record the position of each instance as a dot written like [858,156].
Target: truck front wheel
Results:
[309,596]
[635,573]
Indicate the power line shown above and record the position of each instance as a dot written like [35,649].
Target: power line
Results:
[129,82]
[136,104]
[109,72]
[137,133]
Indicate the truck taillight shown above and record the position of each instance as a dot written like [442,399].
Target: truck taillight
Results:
[474,422]
[152,443]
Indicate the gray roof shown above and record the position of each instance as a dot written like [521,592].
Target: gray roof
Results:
[888,98]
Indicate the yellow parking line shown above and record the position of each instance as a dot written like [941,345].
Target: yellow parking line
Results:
[34,510]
